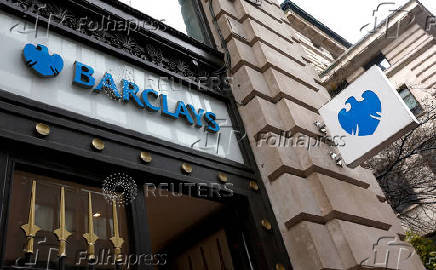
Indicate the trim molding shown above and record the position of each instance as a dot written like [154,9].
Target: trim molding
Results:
[164,51]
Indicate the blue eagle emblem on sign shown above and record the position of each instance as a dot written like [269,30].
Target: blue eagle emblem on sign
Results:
[364,116]
[44,64]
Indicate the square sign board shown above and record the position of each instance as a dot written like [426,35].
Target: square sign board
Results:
[369,114]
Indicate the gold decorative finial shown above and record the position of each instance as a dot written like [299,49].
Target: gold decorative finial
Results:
[117,241]
[280,266]
[62,232]
[90,237]
[30,228]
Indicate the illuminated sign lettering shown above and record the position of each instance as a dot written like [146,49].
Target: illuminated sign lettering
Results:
[149,99]
[38,58]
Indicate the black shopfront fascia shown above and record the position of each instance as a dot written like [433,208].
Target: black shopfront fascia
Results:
[67,153]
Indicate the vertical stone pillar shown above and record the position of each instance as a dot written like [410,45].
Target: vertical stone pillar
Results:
[330,217]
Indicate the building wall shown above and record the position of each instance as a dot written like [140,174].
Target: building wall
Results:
[318,56]
[413,59]
[321,50]
[330,217]
[412,56]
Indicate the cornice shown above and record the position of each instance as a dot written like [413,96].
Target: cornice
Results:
[166,51]
[163,27]
[342,63]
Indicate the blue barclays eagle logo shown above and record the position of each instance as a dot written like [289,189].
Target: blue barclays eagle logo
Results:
[44,64]
[364,116]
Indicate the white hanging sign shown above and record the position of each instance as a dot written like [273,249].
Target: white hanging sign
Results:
[369,114]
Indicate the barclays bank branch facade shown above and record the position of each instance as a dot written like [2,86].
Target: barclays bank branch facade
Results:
[123,148]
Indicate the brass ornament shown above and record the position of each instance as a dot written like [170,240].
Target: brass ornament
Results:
[186,168]
[117,241]
[90,237]
[280,267]
[30,228]
[146,157]
[254,186]
[42,129]
[223,177]
[266,225]
[62,232]
[97,144]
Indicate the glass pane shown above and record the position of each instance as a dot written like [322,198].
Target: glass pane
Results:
[47,211]
[168,10]
[179,14]
[408,98]
[384,64]
[410,101]
[404,93]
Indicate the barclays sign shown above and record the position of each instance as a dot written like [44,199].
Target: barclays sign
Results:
[76,78]
[46,65]
[368,115]
[363,117]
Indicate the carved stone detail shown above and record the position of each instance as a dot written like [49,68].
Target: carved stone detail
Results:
[138,44]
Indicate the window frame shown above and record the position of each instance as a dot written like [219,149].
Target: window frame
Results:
[418,109]
[205,27]
[376,61]
[201,16]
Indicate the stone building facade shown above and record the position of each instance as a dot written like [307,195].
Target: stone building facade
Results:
[330,216]
[403,45]
[322,45]
[92,108]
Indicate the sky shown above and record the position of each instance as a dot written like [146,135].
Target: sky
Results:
[345,17]
[170,12]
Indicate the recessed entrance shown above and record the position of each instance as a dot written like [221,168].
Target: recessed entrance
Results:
[181,227]
[185,232]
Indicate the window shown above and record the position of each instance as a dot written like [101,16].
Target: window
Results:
[183,15]
[46,211]
[341,86]
[380,61]
[410,100]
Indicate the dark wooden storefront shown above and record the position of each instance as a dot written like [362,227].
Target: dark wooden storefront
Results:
[66,155]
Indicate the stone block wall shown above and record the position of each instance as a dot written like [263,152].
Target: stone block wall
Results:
[330,217]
